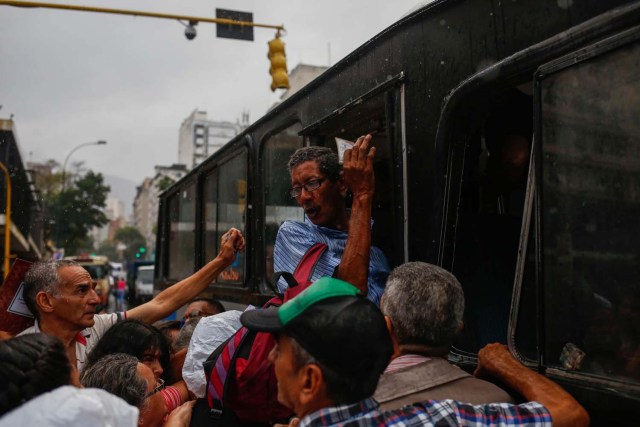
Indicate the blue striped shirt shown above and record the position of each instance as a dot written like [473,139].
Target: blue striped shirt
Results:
[295,238]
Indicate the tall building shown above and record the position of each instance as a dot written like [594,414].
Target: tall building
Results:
[145,204]
[200,137]
[115,213]
[299,77]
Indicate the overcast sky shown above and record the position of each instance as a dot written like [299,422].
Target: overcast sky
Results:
[73,77]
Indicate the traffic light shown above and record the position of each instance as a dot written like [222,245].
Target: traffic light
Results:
[142,250]
[278,70]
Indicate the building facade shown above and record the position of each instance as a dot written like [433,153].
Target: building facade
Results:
[200,137]
[145,204]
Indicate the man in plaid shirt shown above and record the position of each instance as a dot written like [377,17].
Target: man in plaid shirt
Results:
[332,345]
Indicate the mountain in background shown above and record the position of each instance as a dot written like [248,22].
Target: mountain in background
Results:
[122,189]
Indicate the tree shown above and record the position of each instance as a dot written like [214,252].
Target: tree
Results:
[164,183]
[134,240]
[76,209]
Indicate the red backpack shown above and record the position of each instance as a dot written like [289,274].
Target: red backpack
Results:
[241,382]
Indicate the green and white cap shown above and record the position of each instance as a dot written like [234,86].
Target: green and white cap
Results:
[331,320]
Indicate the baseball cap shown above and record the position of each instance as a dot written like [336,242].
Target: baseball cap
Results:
[339,327]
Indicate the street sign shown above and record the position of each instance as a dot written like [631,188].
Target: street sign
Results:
[229,31]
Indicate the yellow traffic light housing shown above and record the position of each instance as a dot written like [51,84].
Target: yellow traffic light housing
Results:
[278,70]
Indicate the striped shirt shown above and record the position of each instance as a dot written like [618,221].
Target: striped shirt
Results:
[430,413]
[295,238]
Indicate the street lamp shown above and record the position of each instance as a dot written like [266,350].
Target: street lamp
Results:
[64,166]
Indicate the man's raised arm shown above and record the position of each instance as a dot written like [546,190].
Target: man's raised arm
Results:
[495,361]
[185,290]
[359,177]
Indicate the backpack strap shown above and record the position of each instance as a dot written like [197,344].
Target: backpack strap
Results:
[308,263]
[217,377]
[288,277]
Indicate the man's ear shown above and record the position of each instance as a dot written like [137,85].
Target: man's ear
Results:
[394,338]
[312,386]
[44,302]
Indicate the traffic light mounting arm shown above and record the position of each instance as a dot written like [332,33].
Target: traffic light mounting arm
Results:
[27,4]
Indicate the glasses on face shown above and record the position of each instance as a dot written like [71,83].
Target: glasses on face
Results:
[311,185]
[158,388]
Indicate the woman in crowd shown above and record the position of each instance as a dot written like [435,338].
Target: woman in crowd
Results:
[150,347]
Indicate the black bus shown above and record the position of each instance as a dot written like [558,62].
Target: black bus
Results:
[506,153]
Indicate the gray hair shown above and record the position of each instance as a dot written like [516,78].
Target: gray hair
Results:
[425,304]
[43,276]
[118,374]
[326,159]
[185,334]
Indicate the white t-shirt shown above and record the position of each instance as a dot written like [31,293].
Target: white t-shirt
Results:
[87,338]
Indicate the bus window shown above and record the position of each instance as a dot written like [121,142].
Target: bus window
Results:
[279,206]
[590,209]
[379,116]
[210,214]
[232,210]
[182,214]
[494,170]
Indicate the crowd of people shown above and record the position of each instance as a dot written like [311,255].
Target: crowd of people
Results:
[362,345]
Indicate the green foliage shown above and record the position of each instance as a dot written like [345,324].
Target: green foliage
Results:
[133,239]
[75,210]
[109,249]
[164,183]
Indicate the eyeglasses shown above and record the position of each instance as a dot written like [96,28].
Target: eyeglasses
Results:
[158,388]
[311,185]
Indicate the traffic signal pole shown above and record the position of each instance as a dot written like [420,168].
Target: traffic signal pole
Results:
[276,55]
[223,21]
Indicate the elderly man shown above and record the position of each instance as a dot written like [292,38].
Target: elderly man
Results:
[319,187]
[423,306]
[61,296]
[332,346]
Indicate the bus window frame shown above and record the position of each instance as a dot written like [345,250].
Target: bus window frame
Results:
[166,251]
[619,39]
[226,289]
[518,67]
[392,91]
[260,223]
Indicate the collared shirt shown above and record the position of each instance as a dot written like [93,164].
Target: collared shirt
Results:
[87,338]
[429,413]
[405,361]
[295,238]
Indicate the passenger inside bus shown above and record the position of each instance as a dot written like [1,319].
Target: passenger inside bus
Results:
[491,217]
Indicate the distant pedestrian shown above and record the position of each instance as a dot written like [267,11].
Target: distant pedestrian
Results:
[120,291]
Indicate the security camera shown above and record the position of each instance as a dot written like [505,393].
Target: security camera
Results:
[190,30]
